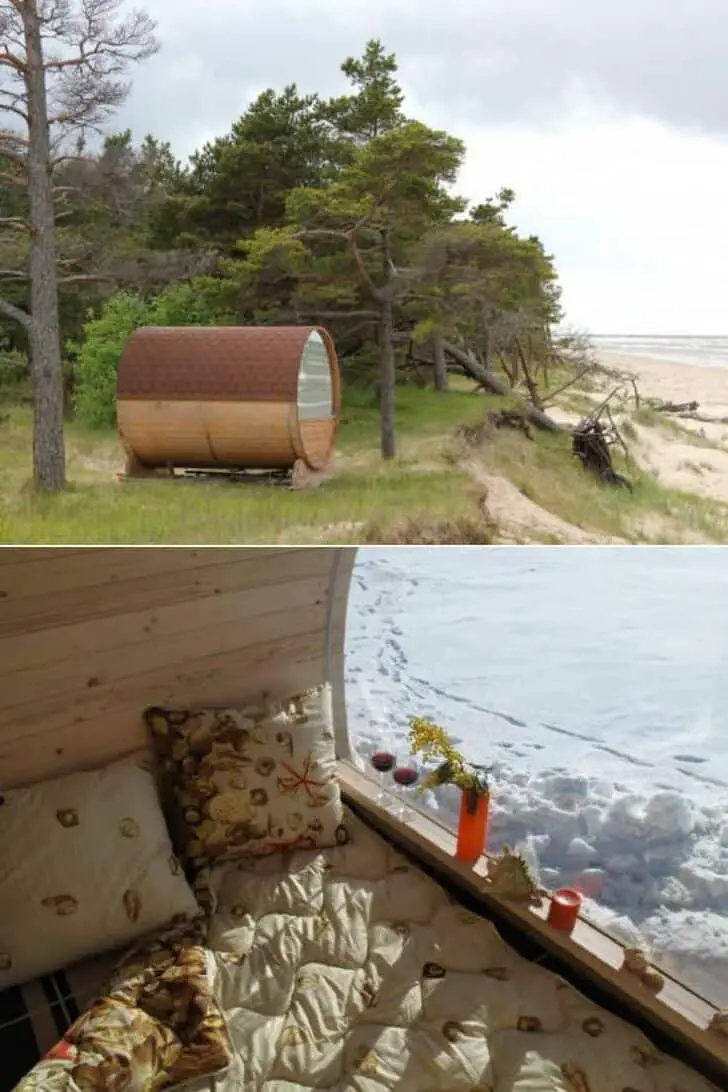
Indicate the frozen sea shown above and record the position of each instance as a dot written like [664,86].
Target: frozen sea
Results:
[596,683]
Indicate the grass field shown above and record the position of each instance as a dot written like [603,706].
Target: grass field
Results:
[419,484]
[424,495]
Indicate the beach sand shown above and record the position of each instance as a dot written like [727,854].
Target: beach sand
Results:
[699,463]
[674,382]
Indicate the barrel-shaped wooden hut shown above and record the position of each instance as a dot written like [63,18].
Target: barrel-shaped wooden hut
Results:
[228,398]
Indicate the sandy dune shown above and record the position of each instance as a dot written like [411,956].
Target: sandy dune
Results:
[519,519]
[699,466]
[682,465]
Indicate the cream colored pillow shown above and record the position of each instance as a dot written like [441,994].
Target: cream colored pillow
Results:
[86,865]
[255,780]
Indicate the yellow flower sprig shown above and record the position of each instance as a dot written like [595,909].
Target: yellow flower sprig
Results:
[432,742]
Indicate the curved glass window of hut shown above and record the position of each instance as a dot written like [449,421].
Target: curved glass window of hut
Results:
[315,389]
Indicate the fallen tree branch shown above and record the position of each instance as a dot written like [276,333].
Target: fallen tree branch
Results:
[617,434]
[506,367]
[631,380]
[550,395]
[602,405]
[623,377]
[495,385]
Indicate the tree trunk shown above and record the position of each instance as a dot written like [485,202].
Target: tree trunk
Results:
[387,367]
[438,356]
[515,363]
[49,459]
[487,349]
[387,377]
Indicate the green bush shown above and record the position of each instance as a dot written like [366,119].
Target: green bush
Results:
[97,357]
[190,303]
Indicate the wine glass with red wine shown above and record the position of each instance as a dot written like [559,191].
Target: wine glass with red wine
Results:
[383,762]
[406,774]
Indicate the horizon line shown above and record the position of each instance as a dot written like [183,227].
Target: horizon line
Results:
[655,337]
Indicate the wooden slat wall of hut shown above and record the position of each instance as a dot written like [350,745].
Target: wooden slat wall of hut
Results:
[89,637]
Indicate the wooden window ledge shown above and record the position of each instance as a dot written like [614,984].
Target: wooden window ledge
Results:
[676,1010]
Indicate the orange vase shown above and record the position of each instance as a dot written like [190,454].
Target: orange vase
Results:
[472,826]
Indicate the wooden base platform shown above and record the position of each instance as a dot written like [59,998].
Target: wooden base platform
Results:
[300,476]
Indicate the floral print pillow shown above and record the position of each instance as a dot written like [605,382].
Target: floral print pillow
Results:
[251,781]
[86,866]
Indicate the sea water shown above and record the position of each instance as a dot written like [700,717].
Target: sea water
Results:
[595,682]
[689,349]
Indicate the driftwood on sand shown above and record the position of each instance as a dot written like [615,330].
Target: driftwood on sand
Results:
[687,411]
[673,407]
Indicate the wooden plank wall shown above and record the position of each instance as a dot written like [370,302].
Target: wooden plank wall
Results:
[89,637]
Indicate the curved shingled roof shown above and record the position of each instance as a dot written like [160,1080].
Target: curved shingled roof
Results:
[215,363]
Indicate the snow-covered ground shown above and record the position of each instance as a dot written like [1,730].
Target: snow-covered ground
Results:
[595,681]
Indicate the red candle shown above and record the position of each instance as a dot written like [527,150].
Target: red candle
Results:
[564,909]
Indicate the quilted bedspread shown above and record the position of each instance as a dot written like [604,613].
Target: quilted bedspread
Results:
[349,969]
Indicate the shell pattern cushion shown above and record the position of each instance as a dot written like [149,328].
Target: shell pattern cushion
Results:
[251,781]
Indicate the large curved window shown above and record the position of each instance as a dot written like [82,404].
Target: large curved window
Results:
[315,390]
[595,682]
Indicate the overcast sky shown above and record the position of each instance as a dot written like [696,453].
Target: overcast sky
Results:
[608,117]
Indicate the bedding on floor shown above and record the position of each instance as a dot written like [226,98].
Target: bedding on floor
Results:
[155,1026]
[34,1016]
[348,969]
[351,970]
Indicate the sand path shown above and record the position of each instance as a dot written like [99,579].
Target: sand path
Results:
[521,520]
